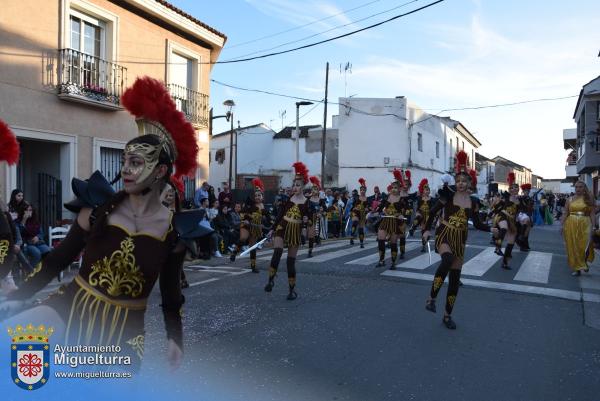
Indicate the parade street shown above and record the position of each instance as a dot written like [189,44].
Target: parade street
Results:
[360,333]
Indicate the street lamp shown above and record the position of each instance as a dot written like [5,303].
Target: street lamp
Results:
[298,104]
[228,116]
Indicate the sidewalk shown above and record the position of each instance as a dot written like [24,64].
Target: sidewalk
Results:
[590,294]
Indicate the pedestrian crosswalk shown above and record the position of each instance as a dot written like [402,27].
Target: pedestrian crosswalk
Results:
[535,268]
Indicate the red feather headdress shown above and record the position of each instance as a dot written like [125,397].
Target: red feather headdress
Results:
[407,174]
[462,162]
[511,178]
[301,171]
[315,181]
[424,183]
[389,187]
[258,185]
[526,187]
[399,177]
[178,184]
[9,146]
[473,175]
[362,182]
[148,99]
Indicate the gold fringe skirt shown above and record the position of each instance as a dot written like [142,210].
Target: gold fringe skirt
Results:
[455,238]
[291,232]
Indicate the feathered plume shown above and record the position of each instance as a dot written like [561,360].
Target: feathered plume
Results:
[362,182]
[9,146]
[408,179]
[315,181]
[462,160]
[301,171]
[424,183]
[258,184]
[473,175]
[178,184]
[389,187]
[526,187]
[398,176]
[149,99]
[511,178]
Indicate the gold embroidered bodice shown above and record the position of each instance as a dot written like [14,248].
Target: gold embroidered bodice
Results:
[118,274]
[459,220]
[294,212]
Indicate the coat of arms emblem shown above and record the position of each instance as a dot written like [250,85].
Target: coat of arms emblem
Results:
[30,355]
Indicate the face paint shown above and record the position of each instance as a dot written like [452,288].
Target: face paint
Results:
[148,153]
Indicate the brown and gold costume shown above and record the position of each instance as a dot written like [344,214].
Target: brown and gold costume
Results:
[106,302]
[7,236]
[288,224]
[359,210]
[453,227]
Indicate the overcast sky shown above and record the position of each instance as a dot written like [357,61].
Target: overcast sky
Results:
[459,53]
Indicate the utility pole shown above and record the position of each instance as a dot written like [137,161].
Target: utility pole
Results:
[323,137]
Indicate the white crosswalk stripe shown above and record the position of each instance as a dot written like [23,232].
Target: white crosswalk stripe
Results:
[324,257]
[535,268]
[480,264]
[421,262]
[374,257]
[304,251]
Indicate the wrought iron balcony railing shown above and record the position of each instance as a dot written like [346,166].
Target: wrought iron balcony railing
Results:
[193,104]
[87,78]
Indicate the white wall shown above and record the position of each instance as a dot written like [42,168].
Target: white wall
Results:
[376,135]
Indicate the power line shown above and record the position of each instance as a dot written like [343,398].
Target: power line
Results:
[302,26]
[329,30]
[326,40]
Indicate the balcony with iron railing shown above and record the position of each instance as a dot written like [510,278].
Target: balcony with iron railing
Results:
[91,80]
[193,104]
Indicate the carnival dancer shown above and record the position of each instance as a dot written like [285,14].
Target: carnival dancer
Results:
[391,209]
[287,230]
[524,218]
[255,218]
[171,194]
[359,211]
[424,205]
[407,201]
[451,234]
[576,229]
[9,153]
[316,208]
[506,220]
[130,240]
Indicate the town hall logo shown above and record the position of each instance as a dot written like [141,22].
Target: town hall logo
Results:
[30,356]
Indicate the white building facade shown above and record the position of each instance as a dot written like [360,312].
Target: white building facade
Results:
[263,152]
[377,135]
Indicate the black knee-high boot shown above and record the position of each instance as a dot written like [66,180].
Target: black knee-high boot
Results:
[238,246]
[394,251]
[361,236]
[507,256]
[353,232]
[499,239]
[291,270]
[253,261]
[402,246]
[453,285]
[381,248]
[311,245]
[423,245]
[277,252]
[440,274]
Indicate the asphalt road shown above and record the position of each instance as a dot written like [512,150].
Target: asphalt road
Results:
[357,333]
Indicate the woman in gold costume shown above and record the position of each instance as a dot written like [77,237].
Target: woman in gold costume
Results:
[9,152]
[359,211]
[254,218]
[288,230]
[505,212]
[451,235]
[130,240]
[576,229]
[424,205]
[392,220]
